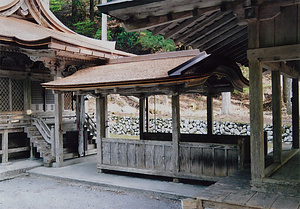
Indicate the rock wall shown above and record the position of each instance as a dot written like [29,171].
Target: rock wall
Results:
[130,126]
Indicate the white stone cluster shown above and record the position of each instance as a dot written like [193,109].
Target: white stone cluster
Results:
[130,126]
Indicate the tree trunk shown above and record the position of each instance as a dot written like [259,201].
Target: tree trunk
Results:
[226,103]
[75,4]
[92,11]
[289,96]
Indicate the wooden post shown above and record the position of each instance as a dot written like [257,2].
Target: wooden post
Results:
[27,95]
[147,115]
[289,96]
[295,113]
[58,130]
[210,120]
[256,107]
[81,127]
[175,132]
[256,120]
[142,119]
[276,108]
[104,117]
[100,129]
[5,147]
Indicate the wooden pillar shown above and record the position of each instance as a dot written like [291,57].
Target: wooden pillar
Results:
[295,113]
[276,108]
[256,120]
[104,117]
[210,120]
[5,147]
[147,114]
[256,107]
[81,127]
[27,95]
[100,125]
[142,118]
[175,132]
[58,130]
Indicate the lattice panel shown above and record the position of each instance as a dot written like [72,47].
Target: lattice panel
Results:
[17,94]
[4,94]
[68,101]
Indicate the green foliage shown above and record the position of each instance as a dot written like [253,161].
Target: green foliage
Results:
[245,71]
[156,43]
[99,34]
[130,41]
[85,28]
[55,5]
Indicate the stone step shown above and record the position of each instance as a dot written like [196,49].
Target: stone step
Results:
[30,128]
[33,133]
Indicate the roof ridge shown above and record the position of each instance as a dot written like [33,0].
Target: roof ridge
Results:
[157,56]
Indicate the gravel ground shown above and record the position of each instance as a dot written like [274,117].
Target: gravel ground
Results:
[41,192]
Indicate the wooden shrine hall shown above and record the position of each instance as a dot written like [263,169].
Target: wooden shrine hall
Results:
[193,156]
[35,47]
[264,35]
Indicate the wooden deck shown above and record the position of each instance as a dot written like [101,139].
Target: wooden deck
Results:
[234,191]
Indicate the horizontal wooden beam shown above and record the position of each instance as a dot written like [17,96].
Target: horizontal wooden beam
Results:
[14,150]
[283,68]
[23,75]
[275,54]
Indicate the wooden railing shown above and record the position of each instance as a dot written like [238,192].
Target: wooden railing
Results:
[14,120]
[43,128]
[90,124]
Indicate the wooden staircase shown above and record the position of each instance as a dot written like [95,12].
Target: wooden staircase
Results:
[42,147]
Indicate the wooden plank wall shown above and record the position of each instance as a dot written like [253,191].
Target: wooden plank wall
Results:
[154,157]
[208,159]
[284,29]
[137,154]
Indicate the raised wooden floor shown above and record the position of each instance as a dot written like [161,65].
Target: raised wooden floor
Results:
[234,191]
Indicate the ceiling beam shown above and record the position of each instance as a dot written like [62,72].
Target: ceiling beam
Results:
[184,25]
[201,25]
[216,36]
[133,24]
[160,29]
[213,27]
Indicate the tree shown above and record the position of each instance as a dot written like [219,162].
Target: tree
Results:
[226,103]
[92,11]
[75,4]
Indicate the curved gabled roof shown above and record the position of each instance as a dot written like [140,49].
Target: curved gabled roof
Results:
[30,25]
[154,74]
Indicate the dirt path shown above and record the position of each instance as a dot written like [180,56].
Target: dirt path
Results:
[41,192]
